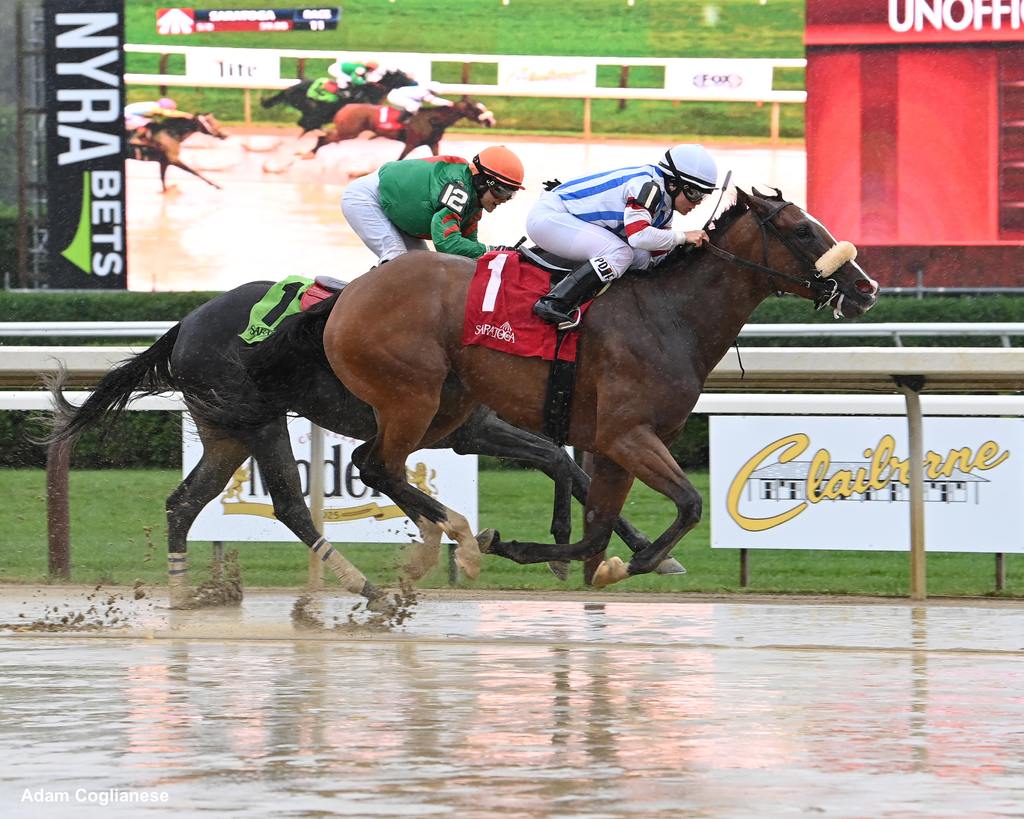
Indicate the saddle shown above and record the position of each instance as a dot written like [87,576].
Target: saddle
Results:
[323,287]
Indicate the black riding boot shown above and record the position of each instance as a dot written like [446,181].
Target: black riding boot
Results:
[558,305]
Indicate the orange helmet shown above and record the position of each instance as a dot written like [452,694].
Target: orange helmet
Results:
[372,65]
[502,166]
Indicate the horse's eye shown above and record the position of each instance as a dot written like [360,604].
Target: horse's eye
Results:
[803,232]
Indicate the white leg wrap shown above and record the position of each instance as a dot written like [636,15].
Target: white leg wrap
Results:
[177,578]
[349,576]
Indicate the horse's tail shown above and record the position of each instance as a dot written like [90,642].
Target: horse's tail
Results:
[147,373]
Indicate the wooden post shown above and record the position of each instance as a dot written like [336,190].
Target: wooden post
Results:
[247,106]
[217,554]
[465,73]
[300,68]
[586,118]
[58,505]
[744,568]
[21,146]
[911,386]
[1000,571]
[623,83]
[315,579]
[776,116]
[163,70]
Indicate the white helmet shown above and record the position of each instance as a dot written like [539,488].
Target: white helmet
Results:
[690,165]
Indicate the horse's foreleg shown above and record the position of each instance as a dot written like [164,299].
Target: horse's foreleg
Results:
[644,454]
[486,434]
[408,149]
[273,452]
[179,164]
[608,491]
[221,457]
[163,174]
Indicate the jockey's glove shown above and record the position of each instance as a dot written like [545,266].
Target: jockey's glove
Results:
[695,237]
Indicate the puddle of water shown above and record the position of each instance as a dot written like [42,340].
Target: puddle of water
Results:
[524,708]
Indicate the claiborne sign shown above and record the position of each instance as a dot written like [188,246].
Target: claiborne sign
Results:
[843,483]
[353,512]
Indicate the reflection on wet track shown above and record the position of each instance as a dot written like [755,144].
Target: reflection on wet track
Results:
[524,708]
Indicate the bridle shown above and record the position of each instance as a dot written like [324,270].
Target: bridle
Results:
[823,289]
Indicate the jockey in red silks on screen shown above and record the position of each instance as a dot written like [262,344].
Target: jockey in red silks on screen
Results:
[616,220]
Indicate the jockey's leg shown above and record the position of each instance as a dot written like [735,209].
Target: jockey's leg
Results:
[607,257]
[361,206]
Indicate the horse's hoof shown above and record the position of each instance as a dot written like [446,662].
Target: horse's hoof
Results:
[670,566]
[560,569]
[610,571]
[469,562]
[486,538]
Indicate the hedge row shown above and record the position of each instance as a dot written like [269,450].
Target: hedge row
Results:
[42,305]
[151,439]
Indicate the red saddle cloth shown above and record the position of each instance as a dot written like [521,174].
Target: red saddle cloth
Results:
[499,309]
[387,120]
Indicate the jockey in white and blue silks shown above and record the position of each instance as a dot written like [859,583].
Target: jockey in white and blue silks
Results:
[616,220]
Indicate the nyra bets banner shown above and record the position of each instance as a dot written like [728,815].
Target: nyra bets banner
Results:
[353,513]
[84,42]
[790,482]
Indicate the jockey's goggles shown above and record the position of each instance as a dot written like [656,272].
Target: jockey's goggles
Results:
[501,192]
[693,194]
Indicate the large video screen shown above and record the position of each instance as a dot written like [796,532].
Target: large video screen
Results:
[240,194]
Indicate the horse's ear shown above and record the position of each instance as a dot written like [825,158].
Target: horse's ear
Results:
[742,197]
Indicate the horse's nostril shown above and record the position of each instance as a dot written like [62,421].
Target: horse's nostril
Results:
[866,286]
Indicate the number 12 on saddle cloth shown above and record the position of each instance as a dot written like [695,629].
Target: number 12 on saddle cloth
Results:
[499,309]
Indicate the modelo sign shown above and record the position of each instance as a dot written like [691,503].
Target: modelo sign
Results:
[791,482]
[353,512]
[84,42]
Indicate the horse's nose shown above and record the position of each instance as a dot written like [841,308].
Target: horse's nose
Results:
[867,287]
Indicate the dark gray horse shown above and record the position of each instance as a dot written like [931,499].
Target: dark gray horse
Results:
[200,357]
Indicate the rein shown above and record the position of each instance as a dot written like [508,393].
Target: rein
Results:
[824,289]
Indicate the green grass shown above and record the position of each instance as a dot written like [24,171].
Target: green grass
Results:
[651,28]
[118,535]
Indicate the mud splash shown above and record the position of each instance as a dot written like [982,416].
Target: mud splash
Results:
[224,588]
[384,614]
[105,611]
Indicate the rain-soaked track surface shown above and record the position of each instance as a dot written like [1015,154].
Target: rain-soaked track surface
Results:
[270,225]
[520,707]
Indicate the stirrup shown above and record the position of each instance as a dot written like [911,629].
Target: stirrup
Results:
[574,322]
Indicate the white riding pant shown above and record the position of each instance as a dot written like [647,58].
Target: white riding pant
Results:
[556,230]
[361,205]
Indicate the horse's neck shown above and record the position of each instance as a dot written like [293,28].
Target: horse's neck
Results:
[710,299]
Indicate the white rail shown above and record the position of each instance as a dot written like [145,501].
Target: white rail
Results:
[726,76]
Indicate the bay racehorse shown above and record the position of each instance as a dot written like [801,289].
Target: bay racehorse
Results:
[647,346]
[315,114]
[425,127]
[164,142]
[200,356]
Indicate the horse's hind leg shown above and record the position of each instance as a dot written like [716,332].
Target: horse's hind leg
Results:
[179,164]
[221,457]
[273,452]
[405,426]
